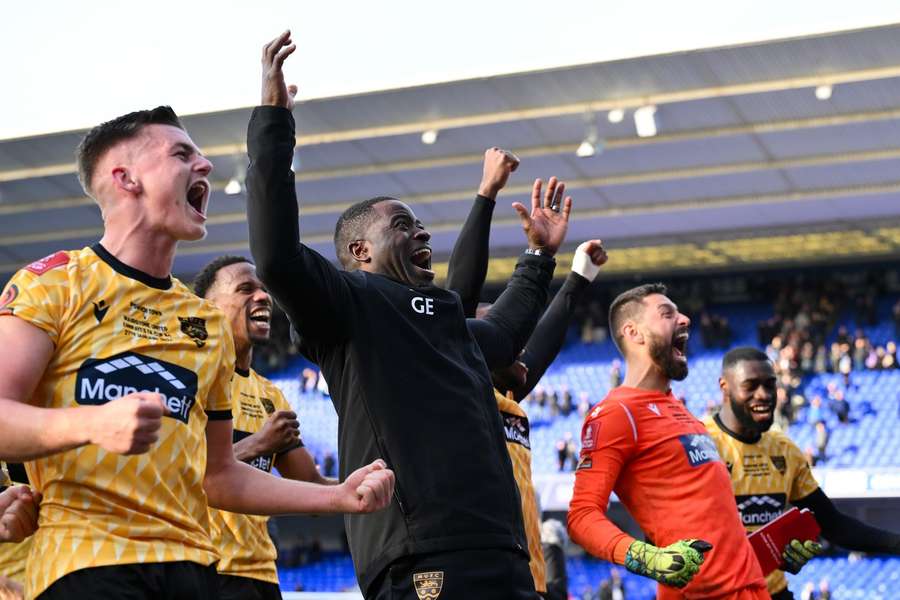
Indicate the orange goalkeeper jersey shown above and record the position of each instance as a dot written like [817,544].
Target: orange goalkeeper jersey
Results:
[665,469]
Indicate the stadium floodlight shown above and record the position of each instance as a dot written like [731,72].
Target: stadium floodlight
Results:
[645,121]
[823,92]
[234,187]
[429,136]
[616,115]
[590,145]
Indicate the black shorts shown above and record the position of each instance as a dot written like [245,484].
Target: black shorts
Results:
[463,574]
[232,587]
[147,581]
[784,594]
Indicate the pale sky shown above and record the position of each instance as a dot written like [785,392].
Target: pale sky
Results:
[71,64]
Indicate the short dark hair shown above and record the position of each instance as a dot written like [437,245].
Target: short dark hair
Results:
[352,225]
[206,278]
[625,307]
[740,354]
[106,135]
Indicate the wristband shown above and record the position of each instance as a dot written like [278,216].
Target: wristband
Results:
[581,264]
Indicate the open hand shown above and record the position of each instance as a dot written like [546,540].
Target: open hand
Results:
[274,91]
[546,225]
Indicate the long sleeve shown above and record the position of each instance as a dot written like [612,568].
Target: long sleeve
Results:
[602,459]
[310,289]
[469,258]
[846,531]
[550,333]
[502,334]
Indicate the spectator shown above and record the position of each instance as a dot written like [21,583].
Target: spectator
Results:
[845,366]
[553,543]
[565,405]
[840,407]
[897,319]
[783,411]
[861,348]
[820,362]
[584,404]
[816,411]
[810,456]
[822,437]
[824,590]
[890,356]
[615,374]
[807,358]
[328,465]
[809,591]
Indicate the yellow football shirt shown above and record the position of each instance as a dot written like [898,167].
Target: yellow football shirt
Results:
[517,429]
[243,541]
[13,557]
[117,330]
[765,476]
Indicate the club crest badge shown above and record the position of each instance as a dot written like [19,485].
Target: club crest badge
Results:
[428,585]
[194,328]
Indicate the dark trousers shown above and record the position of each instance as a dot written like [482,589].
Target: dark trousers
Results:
[459,575]
[784,594]
[148,581]
[232,587]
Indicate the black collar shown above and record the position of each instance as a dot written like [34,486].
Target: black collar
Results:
[242,372]
[160,283]
[735,435]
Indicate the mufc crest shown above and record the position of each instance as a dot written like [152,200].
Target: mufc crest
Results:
[194,328]
[779,463]
[428,585]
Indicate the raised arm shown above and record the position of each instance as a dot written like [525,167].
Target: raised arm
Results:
[469,258]
[307,286]
[550,333]
[503,332]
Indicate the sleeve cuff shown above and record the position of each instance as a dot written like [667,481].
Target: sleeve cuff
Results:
[291,448]
[621,549]
[218,415]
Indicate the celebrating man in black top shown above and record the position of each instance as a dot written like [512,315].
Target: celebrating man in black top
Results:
[409,375]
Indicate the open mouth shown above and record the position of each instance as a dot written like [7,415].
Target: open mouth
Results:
[762,409]
[421,259]
[197,196]
[261,315]
[679,345]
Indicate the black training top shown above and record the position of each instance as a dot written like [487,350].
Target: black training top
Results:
[408,374]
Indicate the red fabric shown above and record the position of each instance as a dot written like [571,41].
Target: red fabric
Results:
[665,469]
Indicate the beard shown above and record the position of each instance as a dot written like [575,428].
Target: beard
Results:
[743,416]
[662,356]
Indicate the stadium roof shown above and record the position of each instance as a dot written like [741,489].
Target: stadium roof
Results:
[748,166]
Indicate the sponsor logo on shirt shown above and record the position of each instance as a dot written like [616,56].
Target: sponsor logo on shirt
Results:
[268,405]
[39,267]
[699,448]
[517,429]
[654,409]
[586,462]
[102,380]
[759,509]
[428,585]
[263,463]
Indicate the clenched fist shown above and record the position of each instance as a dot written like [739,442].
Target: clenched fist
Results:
[18,513]
[366,490]
[281,430]
[128,425]
[498,164]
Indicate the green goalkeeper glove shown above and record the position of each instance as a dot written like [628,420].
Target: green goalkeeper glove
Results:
[797,553]
[673,565]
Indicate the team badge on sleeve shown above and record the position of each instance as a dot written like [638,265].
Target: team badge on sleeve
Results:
[11,293]
[589,436]
[39,267]
[428,585]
